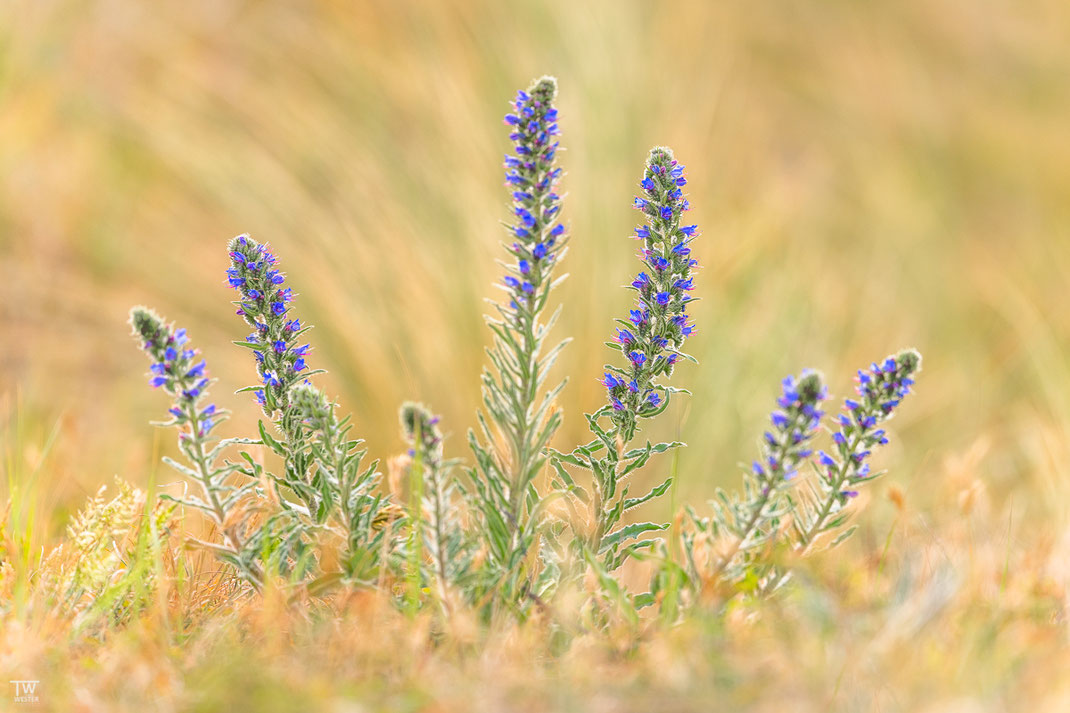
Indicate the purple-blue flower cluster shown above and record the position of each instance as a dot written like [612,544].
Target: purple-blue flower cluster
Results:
[532,176]
[880,390]
[656,329]
[177,369]
[794,425]
[265,305]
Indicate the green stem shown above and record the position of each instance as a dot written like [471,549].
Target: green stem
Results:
[529,375]
[416,474]
[438,508]
[205,473]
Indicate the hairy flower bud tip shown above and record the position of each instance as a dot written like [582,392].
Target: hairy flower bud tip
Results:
[661,155]
[311,404]
[909,361]
[420,429]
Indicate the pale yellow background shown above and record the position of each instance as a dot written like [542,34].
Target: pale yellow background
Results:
[866,175]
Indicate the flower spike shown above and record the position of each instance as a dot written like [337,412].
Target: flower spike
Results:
[178,370]
[880,389]
[532,176]
[659,325]
[751,521]
[266,304]
[507,467]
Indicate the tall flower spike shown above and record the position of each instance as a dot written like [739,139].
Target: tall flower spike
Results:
[265,304]
[531,177]
[178,370]
[650,340]
[652,336]
[510,453]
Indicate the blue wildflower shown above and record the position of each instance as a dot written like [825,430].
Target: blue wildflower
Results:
[535,204]
[276,365]
[795,423]
[173,369]
[880,390]
[659,322]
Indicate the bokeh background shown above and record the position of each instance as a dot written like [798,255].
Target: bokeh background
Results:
[867,176]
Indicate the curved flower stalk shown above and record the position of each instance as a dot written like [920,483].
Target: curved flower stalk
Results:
[435,498]
[178,370]
[517,424]
[770,508]
[822,506]
[650,341]
[742,525]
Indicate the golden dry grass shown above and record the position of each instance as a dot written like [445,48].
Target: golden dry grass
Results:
[867,176]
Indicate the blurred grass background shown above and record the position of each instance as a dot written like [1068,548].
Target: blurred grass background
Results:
[867,176]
